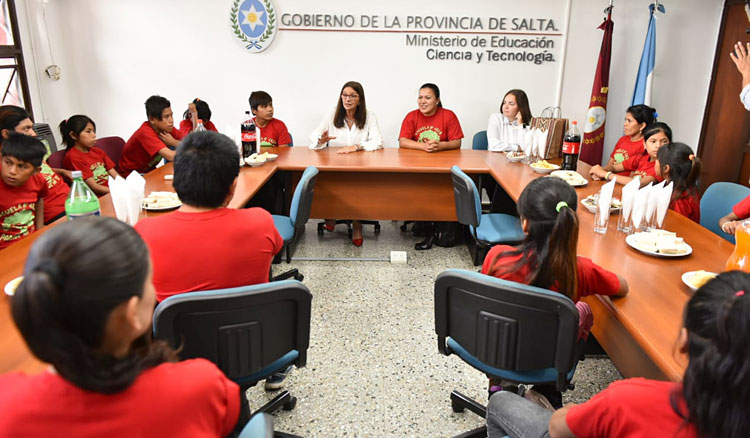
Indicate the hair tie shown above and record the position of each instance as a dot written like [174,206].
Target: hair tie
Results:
[52,269]
[690,157]
[739,293]
[560,205]
[656,114]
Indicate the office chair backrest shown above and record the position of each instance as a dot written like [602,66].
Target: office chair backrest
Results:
[112,146]
[242,330]
[299,212]
[479,142]
[55,160]
[717,202]
[291,140]
[504,324]
[466,196]
[44,133]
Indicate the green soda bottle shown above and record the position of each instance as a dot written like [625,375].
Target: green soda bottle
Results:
[82,201]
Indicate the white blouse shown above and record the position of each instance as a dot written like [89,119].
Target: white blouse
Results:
[368,137]
[502,134]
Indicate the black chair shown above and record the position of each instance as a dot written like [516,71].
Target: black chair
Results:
[506,330]
[249,332]
[44,133]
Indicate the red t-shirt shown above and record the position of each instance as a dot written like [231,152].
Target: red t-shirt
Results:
[632,408]
[57,193]
[688,205]
[274,133]
[625,148]
[216,249]
[18,209]
[592,278]
[742,209]
[141,152]
[640,164]
[441,126]
[186,126]
[186,399]
[92,164]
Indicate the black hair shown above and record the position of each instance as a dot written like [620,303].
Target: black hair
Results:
[523,104]
[643,114]
[11,116]
[201,108]
[25,148]
[75,275]
[360,115]
[258,98]
[716,384]
[656,128]
[549,205]
[155,105]
[435,90]
[205,166]
[74,124]
[684,168]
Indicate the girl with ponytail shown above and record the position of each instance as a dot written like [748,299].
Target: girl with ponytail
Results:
[711,402]
[677,163]
[85,307]
[547,257]
[79,137]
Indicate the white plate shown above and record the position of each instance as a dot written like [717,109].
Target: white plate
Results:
[515,159]
[175,204]
[592,208]
[11,286]
[688,275]
[269,156]
[630,240]
[255,163]
[544,170]
[582,182]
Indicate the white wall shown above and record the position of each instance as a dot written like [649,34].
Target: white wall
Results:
[114,55]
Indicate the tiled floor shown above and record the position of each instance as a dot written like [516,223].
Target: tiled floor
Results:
[373,367]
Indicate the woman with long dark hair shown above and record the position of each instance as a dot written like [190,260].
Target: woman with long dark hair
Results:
[85,306]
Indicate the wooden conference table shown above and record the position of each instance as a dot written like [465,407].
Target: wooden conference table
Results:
[637,331]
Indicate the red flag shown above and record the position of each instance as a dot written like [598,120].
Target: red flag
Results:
[593,133]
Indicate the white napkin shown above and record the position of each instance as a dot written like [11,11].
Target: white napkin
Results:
[653,199]
[529,146]
[118,192]
[639,205]
[605,199]
[628,197]
[541,145]
[665,197]
[136,185]
[528,137]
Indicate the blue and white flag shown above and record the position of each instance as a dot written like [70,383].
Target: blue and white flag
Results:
[644,80]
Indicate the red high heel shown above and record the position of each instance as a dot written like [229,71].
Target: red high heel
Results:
[328,228]
[357,242]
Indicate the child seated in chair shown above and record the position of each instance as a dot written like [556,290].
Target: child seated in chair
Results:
[712,401]
[547,257]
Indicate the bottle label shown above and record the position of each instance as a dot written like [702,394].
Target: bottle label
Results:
[571,147]
[72,216]
[248,136]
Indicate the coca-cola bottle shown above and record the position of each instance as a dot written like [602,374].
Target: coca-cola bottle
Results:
[249,136]
[571,147]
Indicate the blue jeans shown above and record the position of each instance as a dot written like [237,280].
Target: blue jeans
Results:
[511,415]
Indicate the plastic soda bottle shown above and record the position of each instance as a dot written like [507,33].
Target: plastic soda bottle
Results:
[571,147]
[82,201]
[740,258]
[200,127]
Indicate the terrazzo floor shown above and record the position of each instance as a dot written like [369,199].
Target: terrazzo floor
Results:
[373,366]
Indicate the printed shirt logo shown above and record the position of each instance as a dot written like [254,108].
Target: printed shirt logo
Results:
[17,222]
[620,156]
[49,175]
[253,23]
[428,133]
[267,142]
[100,173]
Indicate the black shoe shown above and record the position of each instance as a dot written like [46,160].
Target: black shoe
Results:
[423,245]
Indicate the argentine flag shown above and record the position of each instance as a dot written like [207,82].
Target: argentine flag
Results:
[645,78]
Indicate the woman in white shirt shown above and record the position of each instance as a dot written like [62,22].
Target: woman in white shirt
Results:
[503,127]
[352,126]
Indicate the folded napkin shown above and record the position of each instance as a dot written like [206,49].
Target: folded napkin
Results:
[127,196]
[639,205]
[528,138]
[628,197]
[118,192]
[662,205]
[529,146]
[653,199]
[541,146]
[137,185]
[605,199]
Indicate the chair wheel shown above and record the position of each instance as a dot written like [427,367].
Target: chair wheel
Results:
[288,406]
[320,228]
[456,407]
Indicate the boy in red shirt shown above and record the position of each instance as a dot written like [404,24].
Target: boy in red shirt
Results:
[22,188]
[16,119]
[152,141]
[273,131]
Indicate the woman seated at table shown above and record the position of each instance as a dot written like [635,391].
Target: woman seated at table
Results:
[85,306]
[351,125]
[431,127]
[502,127]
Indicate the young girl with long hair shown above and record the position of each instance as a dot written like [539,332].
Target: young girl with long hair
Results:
[677,163]
[197,110]
[503,127]
[85,307]
[712,401]
[79,137]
